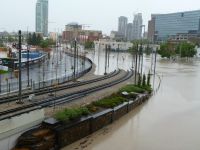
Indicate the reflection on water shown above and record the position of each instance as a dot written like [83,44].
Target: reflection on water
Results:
[168,121]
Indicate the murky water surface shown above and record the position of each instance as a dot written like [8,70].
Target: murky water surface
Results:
[170,120]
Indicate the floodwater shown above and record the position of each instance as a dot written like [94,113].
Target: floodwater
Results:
[169,120]
[58,66]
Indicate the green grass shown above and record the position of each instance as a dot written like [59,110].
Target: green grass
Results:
[72,113]
[3,72]
[110,102]
[132,88]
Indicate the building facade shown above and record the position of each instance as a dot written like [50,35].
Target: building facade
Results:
[168,25]
[122,25]
[137,26]
[114,45]
[151,29]
[42,17]
[129,32]
[74,31]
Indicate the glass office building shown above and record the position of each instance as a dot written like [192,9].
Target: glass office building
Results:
[42,17]
[167,25]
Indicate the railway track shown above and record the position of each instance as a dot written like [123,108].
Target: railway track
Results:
[61,99]
[60,87]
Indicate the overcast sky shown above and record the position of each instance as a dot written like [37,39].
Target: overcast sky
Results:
[99,14]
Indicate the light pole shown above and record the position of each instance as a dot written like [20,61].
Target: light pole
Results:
[20,78]
[106,49]
[142,48]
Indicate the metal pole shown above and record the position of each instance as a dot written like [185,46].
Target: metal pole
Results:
[75,59]
[105,60]
[139,60]
[109,48]
[142,58]
[118,57]
[154,68]
[20,65]
[136,60]
[28,65]
[0,83]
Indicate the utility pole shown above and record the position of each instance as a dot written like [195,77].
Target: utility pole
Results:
[118,57]
[20,65]
[154,68]
[139,59]
[109,49]
[142,58]
[136,60]
[106,59]
[27,58]
[74,59]
[77,59]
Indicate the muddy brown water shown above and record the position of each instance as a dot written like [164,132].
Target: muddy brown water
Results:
[170,120]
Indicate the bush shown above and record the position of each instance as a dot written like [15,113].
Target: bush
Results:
[110,102]
[132,88]
[72,113]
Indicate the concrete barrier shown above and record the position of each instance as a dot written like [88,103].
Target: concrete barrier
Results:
[11,129]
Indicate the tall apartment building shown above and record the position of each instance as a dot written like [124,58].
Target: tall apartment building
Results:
[137,26]
[170,25]
[129,32]
[42,17]
[151,29]
[122,25]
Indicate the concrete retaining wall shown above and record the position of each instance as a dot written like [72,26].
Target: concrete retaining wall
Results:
[67,134]
[11,129]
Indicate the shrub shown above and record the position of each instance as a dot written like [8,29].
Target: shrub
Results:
[110,102]
[132,88]
[72,113]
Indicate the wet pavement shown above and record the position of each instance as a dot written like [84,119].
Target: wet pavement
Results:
[168,121]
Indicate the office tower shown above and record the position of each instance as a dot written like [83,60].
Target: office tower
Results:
[42,17]
[129,32]
[122,25]
[181,24]
[137,26]
[151,29]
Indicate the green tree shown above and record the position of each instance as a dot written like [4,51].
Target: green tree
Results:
[185,49]
[34,39]
[29,40]
[148,79]
[38,39]
[44,44]
[144,80]
[89,45]
[148,50]
[167,50]
[139,80]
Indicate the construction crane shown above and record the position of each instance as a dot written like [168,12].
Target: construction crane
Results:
[85,26]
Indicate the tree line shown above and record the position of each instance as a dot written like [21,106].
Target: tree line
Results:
[37,40]
[183,49]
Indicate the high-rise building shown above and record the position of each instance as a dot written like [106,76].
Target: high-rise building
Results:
[129,32]
[151,29]
[137,26]
[42,17]
[122,25]
[169,25]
